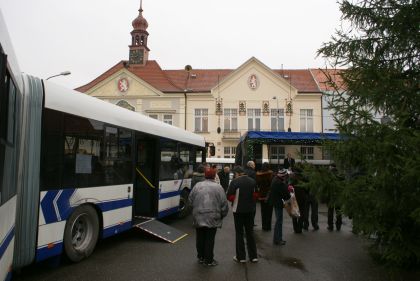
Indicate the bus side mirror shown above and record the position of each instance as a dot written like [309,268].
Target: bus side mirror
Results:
[212,150]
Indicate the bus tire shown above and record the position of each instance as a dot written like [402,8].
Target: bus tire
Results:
[81,233]
[184,204]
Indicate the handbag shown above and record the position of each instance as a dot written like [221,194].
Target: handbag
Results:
[292,206]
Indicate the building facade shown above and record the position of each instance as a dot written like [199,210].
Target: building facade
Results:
[220,104]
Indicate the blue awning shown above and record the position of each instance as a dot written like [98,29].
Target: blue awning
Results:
[290,136]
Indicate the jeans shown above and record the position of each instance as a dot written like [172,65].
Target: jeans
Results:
[278,227]
[244,221]
[205,243]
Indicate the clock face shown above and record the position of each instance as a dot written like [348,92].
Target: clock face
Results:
[136,56]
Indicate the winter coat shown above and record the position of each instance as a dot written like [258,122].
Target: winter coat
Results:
[241,193]
[224,179]
[278,192]
[209,203]
[250,172]
[263,183]
[197,177]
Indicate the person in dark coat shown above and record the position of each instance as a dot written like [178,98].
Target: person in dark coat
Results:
[332,198]
[278,194]
[241,193]
[224,177]
[198,175]
[301,198]
[289,162]
[264,177]
[250,169]
[210,206]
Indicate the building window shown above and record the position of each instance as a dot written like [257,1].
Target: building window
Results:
[254,119]
[231,120]
[277,152]
[306,120]
[229,151]
[307,152]
[166,118]
[277,120]
[201,120]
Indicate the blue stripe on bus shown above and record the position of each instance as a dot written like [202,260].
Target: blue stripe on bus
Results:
[168,212]
[6,242]
[115,229]
[116,204]
[45,252]
[169,194]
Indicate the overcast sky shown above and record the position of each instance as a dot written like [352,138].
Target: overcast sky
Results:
[87,37]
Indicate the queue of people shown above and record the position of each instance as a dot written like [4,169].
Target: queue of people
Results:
[209,199]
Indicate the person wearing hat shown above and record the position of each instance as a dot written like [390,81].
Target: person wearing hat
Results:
[241,193]
[278,194]
[210,206]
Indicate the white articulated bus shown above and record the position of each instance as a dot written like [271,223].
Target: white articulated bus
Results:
[74,169]
[11,141]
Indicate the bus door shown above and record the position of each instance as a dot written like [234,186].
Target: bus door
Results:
[146,188]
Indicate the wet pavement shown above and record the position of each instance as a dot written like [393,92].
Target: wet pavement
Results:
[312,255]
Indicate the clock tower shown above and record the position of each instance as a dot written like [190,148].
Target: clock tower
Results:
[139,52]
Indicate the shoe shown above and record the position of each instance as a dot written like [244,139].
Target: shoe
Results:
[330,228]
[254,260]
[316,227]
[200,260]
[281,242]
[338,227]
[305,228]
[240,261]
[213,263]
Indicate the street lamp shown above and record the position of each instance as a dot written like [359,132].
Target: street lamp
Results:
[64,73]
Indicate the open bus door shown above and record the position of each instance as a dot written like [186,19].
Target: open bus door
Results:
[146,189]
[146,192]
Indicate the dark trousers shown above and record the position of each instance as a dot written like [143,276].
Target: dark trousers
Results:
[312,204]
[244,221]
[302,200]
[205,243]
[266,215]
[338,219]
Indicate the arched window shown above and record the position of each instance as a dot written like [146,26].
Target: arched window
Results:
[142,40]
[137,40]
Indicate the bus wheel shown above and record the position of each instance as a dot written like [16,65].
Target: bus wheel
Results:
[184,205]
[81,233]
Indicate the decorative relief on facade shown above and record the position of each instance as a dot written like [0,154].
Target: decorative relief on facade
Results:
[126,105]
[266,107]
[242,108]
[219,106]
[123,85]
[253,82]
[289,107]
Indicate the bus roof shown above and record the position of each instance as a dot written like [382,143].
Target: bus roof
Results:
[76,103]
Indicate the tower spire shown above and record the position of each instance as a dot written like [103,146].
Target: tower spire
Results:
[138,49]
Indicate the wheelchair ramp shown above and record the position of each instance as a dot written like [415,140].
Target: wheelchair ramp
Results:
[160,230]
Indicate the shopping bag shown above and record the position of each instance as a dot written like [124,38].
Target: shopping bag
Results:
[292,206]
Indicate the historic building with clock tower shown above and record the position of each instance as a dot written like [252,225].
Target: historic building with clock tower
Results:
[219,104]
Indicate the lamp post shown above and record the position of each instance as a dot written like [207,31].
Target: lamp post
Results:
[64,73]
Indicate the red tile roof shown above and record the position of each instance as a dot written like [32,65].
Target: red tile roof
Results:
[201,80]
[322,76]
